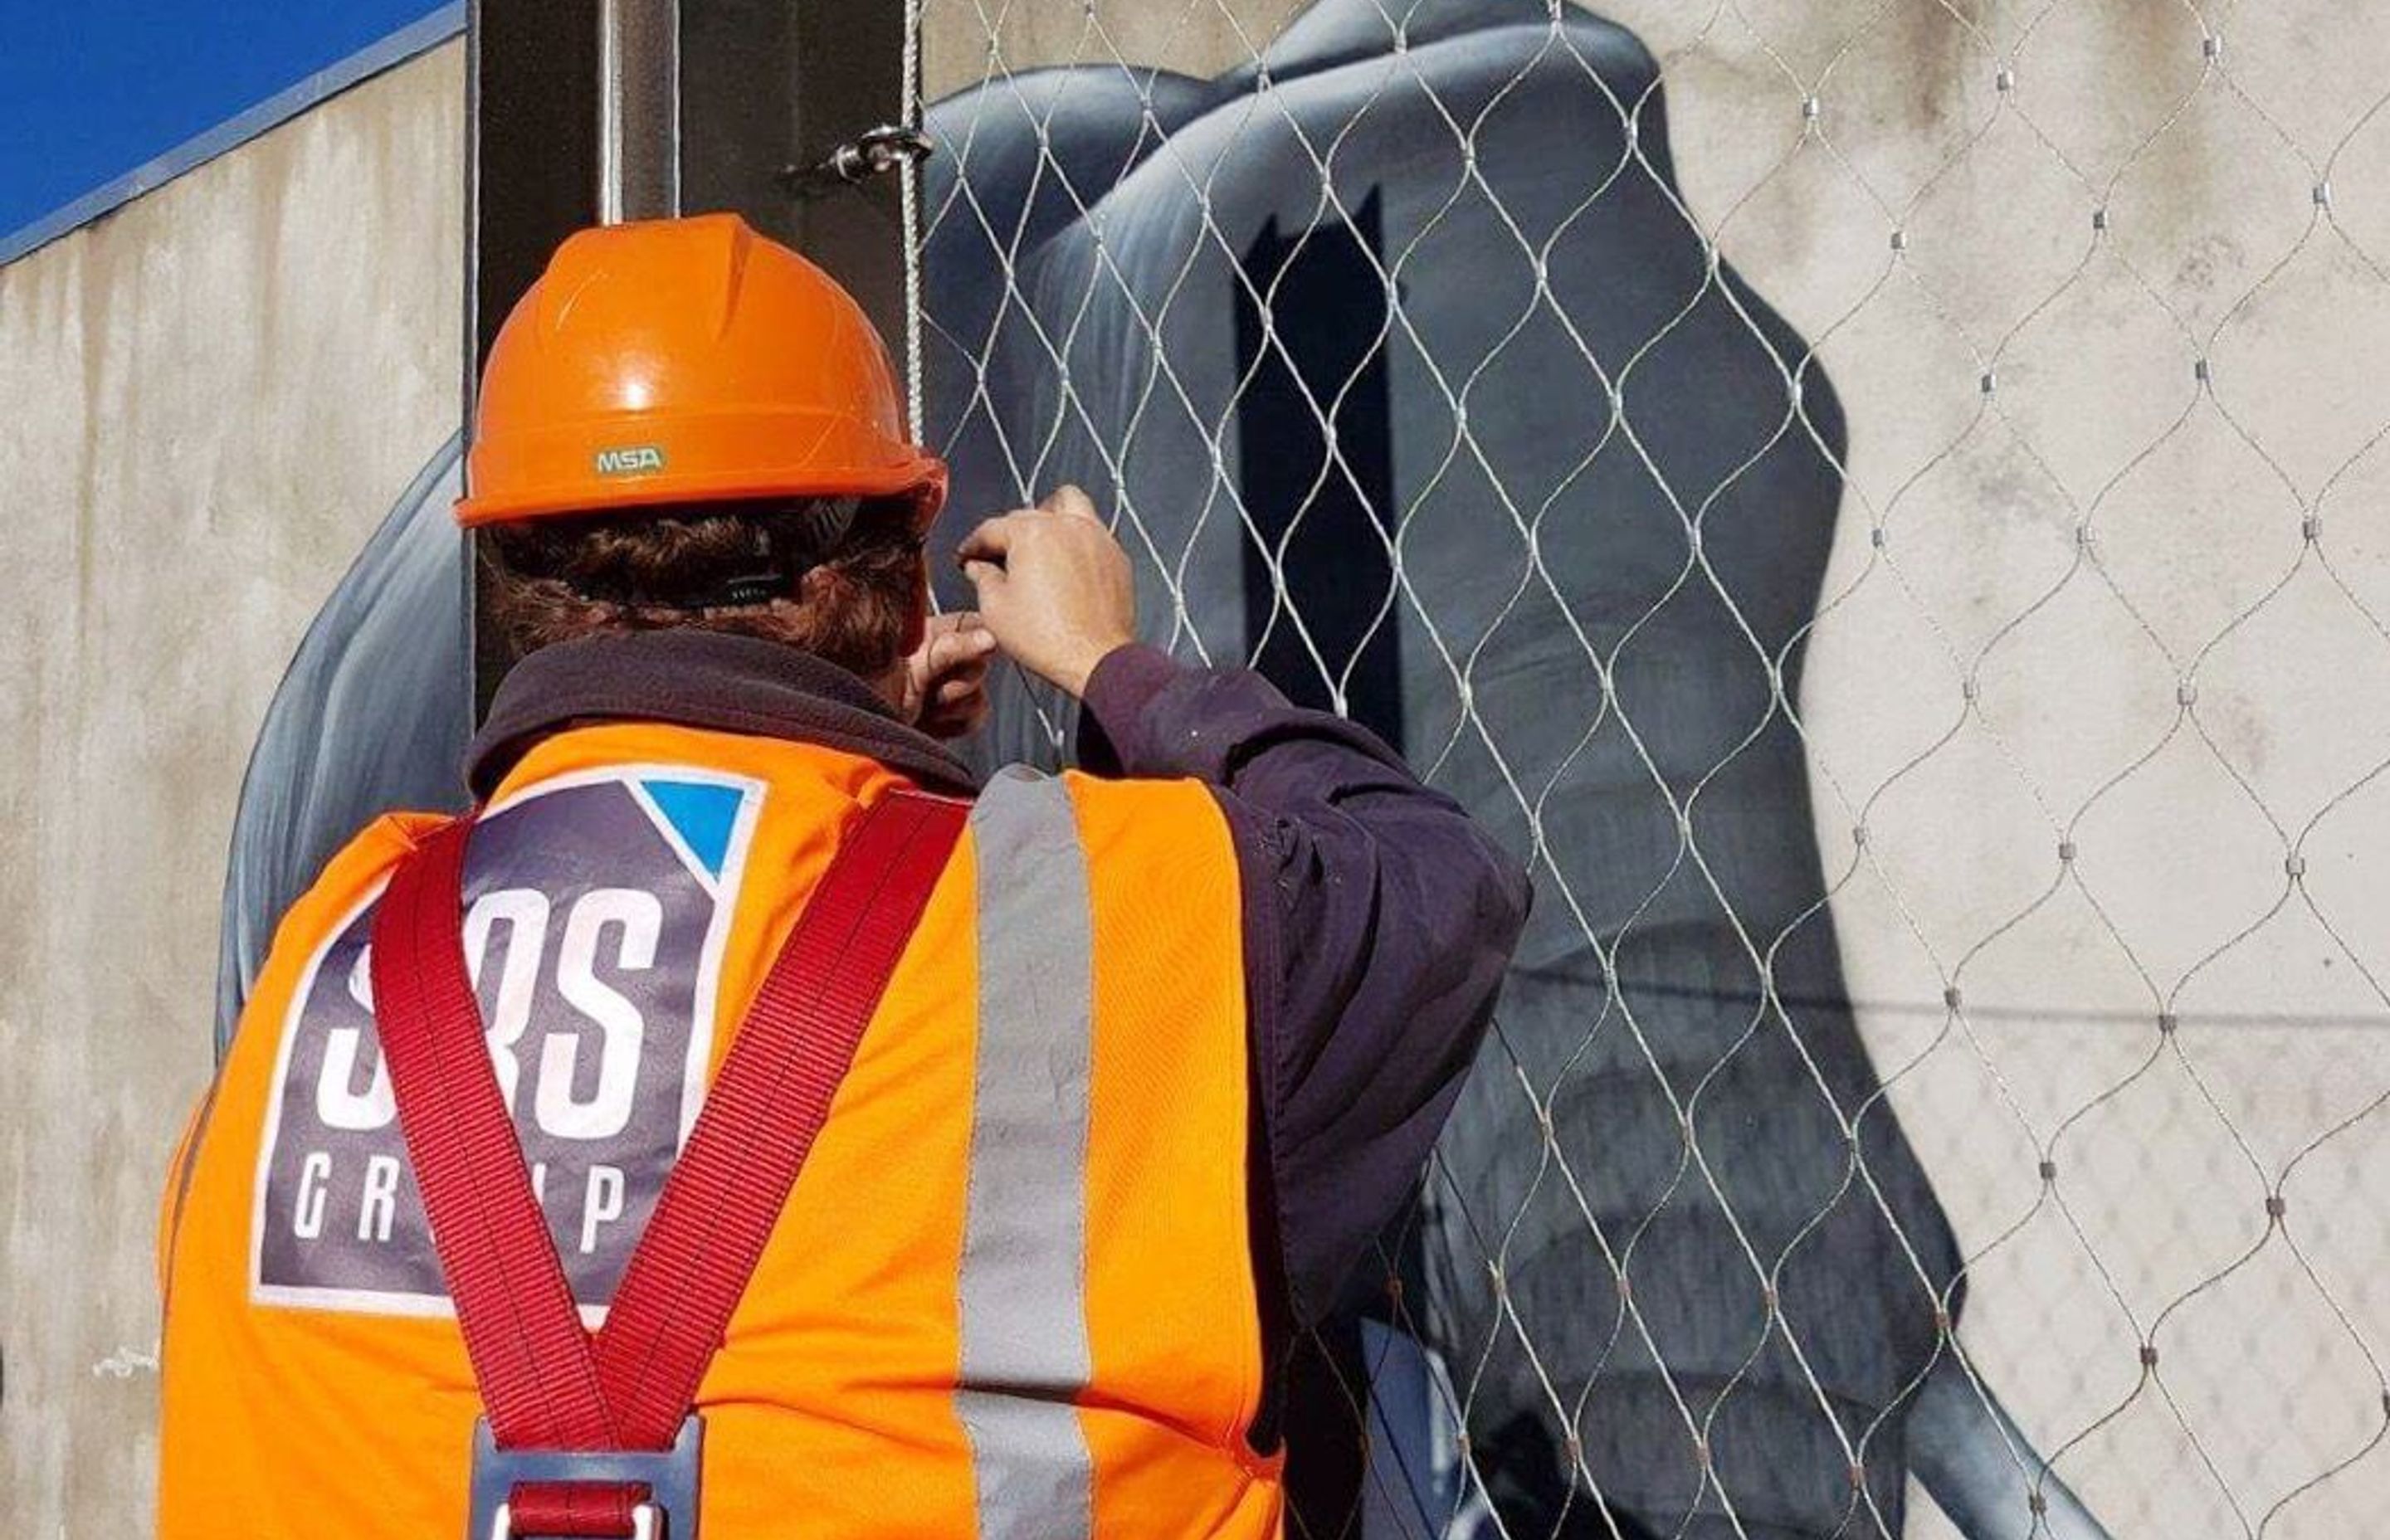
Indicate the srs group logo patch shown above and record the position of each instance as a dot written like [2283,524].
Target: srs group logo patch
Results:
[595,909]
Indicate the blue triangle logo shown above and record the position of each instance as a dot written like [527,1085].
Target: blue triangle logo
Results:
[701,814]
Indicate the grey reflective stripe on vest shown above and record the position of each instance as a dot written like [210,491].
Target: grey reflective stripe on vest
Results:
[1024,1325]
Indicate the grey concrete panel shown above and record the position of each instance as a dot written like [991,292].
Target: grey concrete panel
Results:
[212,393]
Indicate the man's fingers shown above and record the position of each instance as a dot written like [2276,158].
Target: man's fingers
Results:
[988,541]
[958,649]
[969,664]
[1070,503]
[956,655]
[958,623]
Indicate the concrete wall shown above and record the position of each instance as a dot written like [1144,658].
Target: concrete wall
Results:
[211,396]
[2191,703]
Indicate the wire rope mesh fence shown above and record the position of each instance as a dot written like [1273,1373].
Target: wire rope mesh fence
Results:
[1882,504]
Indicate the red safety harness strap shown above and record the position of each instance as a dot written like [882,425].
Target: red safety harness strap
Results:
[764,1112]
[544,1382]
[532,1358]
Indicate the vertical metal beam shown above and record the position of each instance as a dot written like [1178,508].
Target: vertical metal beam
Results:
[768,85]
[639,109]
[533,152]
[659,111]
[532,169]
[850,78]
[739,109]
[644,109]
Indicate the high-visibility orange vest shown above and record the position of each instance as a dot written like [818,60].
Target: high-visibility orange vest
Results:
[1012,1293]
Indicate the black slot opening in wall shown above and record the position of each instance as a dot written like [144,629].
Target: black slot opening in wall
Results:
[1326,515]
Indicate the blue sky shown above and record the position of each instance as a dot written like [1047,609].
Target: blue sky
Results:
[90,89]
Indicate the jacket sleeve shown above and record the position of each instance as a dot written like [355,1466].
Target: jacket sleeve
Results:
[1378,922]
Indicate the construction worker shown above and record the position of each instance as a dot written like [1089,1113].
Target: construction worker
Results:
[743,1123]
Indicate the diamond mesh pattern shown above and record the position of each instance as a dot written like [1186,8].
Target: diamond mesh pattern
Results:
[1947,701]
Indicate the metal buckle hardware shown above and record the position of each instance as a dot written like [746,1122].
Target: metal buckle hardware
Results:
[643,1523]
[672,1477]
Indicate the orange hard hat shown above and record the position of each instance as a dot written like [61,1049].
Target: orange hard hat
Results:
[687,361]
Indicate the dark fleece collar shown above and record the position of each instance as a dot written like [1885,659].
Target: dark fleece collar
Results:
[695,678]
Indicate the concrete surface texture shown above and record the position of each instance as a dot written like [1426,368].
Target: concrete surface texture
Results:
[2100,670]
[212,395]
[2112,720]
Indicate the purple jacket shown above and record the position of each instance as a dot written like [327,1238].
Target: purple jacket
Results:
[1377,918]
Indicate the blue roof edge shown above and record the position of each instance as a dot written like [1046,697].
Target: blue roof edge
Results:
[408,42]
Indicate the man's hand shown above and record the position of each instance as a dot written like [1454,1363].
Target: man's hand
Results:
[945,679]
[1054,586]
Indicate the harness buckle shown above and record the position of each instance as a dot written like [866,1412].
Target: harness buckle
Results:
[643,1523]
[672,1477]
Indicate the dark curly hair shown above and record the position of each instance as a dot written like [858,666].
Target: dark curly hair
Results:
[836,577]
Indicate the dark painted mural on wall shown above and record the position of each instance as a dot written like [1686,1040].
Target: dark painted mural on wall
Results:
[372,715]
[1496,362]
[1413,382]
